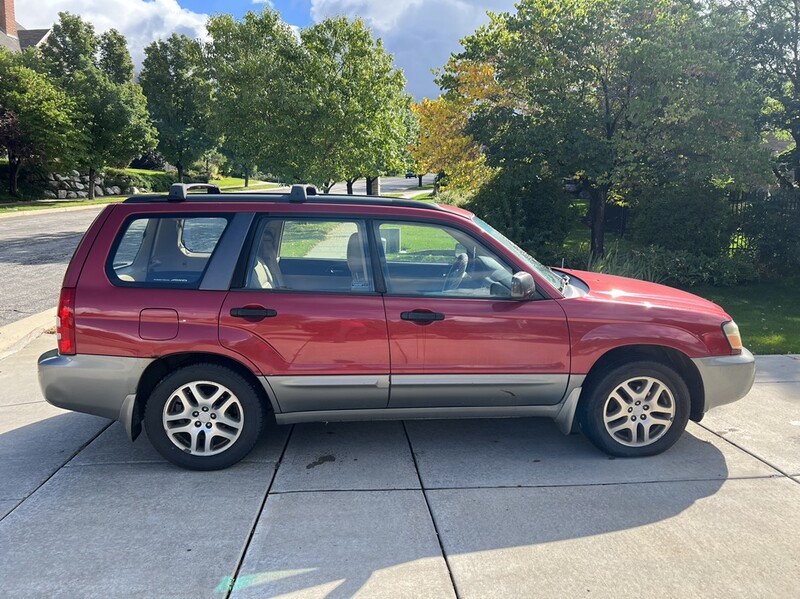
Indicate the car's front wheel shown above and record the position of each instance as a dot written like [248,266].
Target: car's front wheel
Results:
[203,417]
[637,409]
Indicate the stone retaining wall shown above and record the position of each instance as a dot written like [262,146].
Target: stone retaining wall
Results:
[76,186]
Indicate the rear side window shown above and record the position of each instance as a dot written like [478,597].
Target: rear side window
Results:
[165,251]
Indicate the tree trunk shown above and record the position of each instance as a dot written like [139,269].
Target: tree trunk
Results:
[597,209]
[247,177]
[370,181]
[420,179]
[92,175]
[350,185]
[179,166]
[13,175]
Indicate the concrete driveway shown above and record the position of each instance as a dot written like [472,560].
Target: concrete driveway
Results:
[470,508]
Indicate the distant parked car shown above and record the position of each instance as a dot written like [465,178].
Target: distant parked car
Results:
[201,315]
[410,175]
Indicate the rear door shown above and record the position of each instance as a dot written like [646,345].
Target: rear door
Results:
[307,314]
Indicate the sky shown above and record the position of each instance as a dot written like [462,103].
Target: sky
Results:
[420,33]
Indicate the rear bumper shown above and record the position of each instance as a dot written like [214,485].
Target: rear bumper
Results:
[726,378]
[100,385]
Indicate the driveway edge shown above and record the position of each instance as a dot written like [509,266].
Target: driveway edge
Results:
[16,335]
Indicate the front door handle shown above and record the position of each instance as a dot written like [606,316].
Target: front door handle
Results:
[422,316]
[253,312]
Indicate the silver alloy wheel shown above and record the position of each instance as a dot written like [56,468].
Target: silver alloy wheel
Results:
[639,411]
[203,418]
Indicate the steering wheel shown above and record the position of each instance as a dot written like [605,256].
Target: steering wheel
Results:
[456,273]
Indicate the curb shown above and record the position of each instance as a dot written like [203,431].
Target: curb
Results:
[50,210]
[17,335]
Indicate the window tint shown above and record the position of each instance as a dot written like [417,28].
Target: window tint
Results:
[165,251]
[310,255]
[423,259]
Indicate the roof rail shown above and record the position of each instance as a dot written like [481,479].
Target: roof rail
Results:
[300,193]
[179,191]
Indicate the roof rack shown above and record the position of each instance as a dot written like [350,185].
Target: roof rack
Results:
[179,191]
[298,194]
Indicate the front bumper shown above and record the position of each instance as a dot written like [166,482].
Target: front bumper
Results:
[726,378]
[100,385]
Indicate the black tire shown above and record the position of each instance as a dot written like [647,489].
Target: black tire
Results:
[227,444]
[618,426]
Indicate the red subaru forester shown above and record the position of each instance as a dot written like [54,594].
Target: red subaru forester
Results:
[200,315]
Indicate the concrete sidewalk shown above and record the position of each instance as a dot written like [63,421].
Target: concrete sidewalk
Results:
[470,508]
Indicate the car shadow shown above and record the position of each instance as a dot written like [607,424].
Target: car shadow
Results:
[41,248]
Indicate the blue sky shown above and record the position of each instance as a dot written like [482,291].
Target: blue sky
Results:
[420,33]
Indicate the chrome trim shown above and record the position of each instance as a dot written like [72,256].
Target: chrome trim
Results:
[726,378]
[338,392]
[99,385]
[479,390]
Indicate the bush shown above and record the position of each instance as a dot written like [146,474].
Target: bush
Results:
[452,197]
[155,181]
[533,211]
[676,267]
[771,223]
[697,219]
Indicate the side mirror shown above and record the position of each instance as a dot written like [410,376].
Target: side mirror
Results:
[522,286]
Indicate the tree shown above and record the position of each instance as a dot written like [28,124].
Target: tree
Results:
[354,109]
[111,113]
[114,59]
[35,119]
[623,95]
[179,99]
[252,63]
[772,33]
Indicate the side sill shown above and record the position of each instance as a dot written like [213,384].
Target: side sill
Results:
[562,412]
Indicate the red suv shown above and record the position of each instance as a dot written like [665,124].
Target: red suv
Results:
[199,315]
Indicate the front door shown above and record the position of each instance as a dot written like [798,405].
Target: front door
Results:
[308,316]
[456,337]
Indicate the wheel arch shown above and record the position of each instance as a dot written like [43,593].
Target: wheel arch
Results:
[668,356]
[164,365]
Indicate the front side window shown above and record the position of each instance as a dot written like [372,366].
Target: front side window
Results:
[165,251]
[435,260]
[320,255]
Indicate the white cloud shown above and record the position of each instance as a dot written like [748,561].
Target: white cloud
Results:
[420,33]
[267,2]
[140,21]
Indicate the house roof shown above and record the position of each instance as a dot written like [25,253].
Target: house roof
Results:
[31,37]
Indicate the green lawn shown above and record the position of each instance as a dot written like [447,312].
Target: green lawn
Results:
[768,314]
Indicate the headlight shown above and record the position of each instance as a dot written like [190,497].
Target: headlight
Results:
[731,331]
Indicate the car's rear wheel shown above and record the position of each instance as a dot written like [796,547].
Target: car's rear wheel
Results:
[635,410]
[203,417]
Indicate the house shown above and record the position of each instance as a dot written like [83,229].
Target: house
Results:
[15,37]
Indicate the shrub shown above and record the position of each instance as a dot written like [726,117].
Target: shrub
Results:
[535,212]
[696,219]
[675,267]
[771,223]
[452,197]
[155,181]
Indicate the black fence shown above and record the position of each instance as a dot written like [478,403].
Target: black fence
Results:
[781,209]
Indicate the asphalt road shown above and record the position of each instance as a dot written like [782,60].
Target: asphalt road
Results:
[35,249]
[34,252]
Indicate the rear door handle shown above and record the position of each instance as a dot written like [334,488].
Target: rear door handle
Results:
[254,312]
[421,316]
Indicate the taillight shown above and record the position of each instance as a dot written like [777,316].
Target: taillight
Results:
[65,321]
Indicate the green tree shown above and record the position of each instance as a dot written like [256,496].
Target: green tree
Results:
[179,99]
[35,119]
[772,33]
[114,59]
[354,108]
[252,63]
[624,95]
[111,112]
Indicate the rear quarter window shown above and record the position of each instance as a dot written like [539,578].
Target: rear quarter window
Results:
[165,251]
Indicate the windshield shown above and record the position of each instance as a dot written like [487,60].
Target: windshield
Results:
[555,280]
